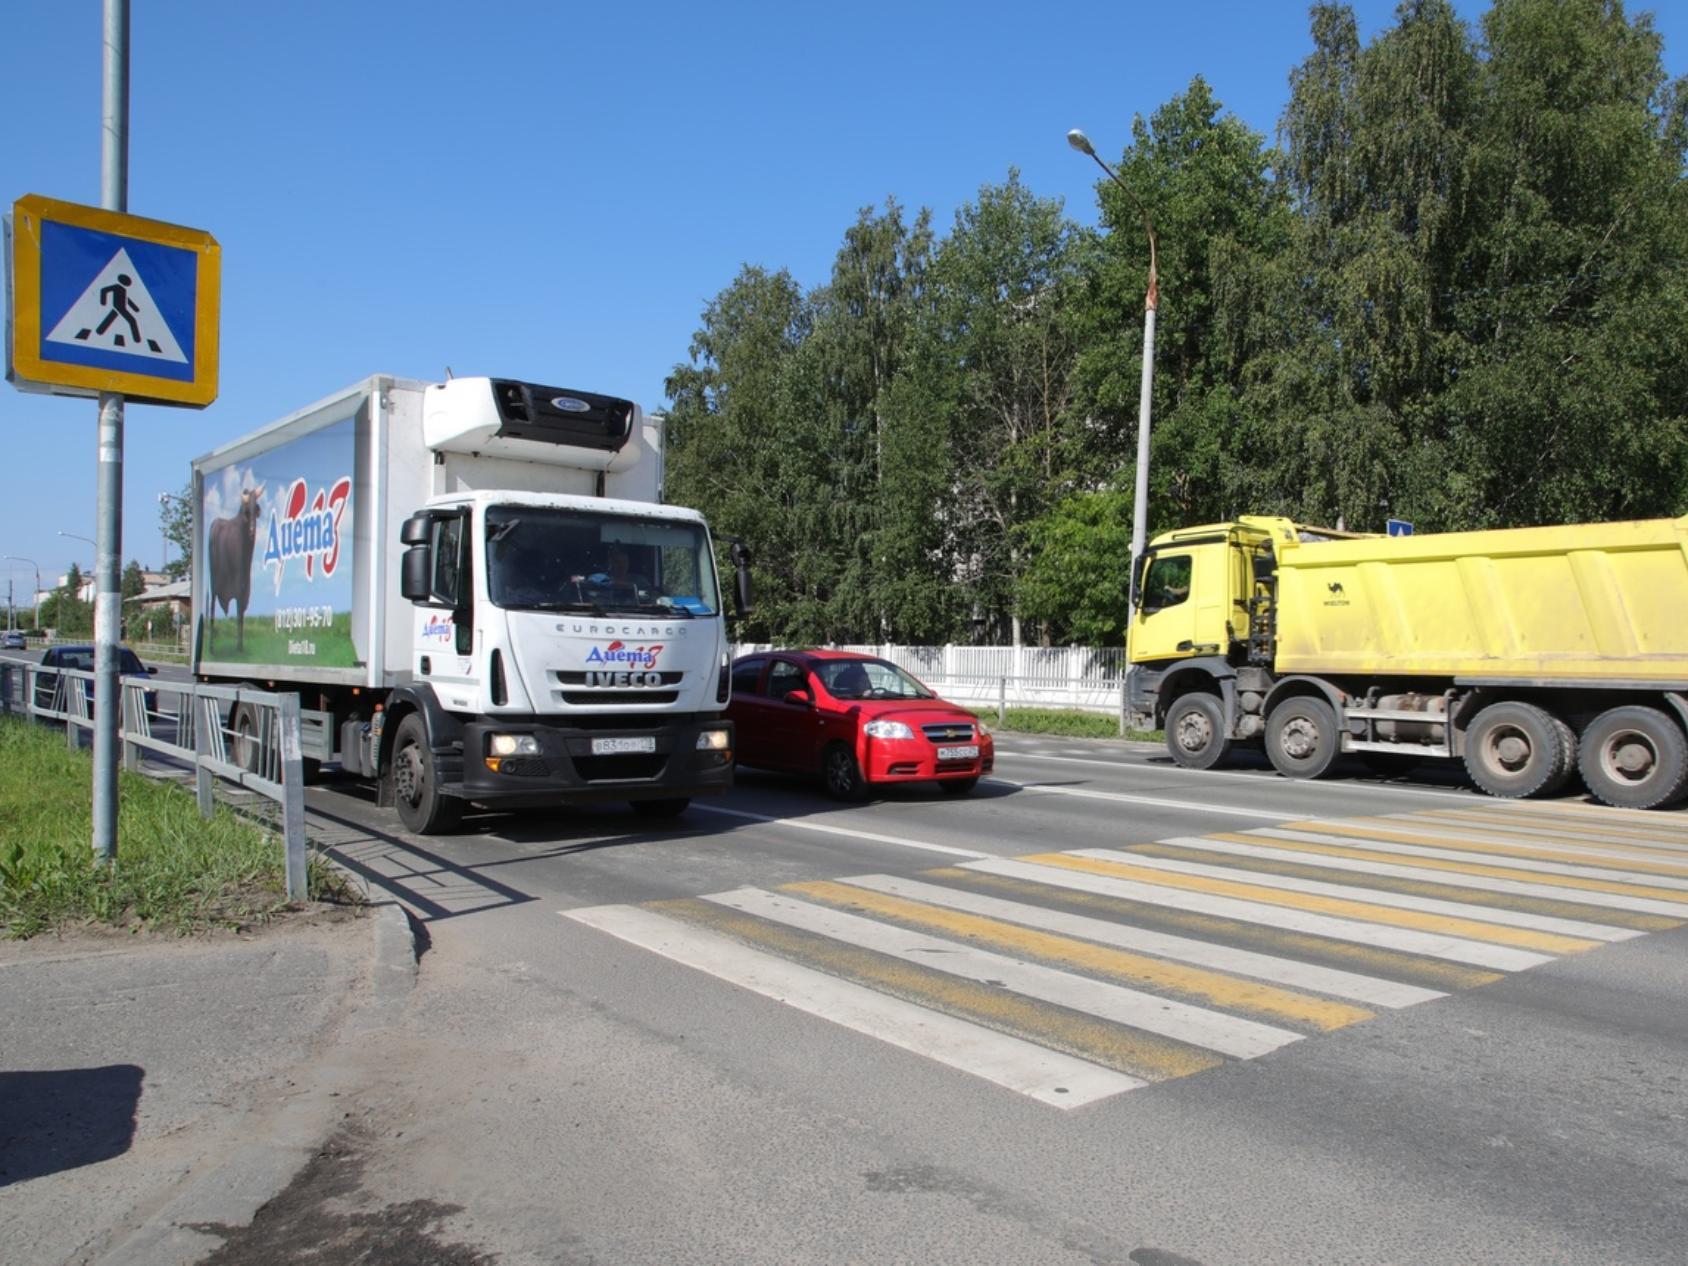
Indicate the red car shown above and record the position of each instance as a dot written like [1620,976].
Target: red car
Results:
[855,720]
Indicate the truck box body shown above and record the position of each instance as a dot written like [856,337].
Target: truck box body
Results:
[1595,602]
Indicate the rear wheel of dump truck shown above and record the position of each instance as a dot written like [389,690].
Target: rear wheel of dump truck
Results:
[1303,737]
[1195,731]
[1513,750]
[1635,758]
[416,788]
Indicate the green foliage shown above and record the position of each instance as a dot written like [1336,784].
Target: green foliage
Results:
[1066,722]
[1458,293]
[175,518]
[173,871]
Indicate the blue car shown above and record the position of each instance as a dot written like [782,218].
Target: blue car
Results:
[81,657]
[12,640]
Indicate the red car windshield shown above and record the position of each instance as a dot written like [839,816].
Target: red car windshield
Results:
[868,679]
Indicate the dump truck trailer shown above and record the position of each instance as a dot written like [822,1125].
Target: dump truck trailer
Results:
[477,593]
[1530,654]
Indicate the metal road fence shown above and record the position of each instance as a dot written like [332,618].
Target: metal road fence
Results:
[247,738]
[1087,679]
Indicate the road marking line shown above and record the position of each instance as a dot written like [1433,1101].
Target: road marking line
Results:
[1574,809]
[1048,1076]
[1512,825]
[1212,1030]
[1448,835]
[1254,846]
[1454,949]
[1264,776]
[1015,935]
[1514,863]
[1304,895]
[1086,793]
[824,828]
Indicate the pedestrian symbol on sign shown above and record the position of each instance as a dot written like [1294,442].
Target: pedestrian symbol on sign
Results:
[117,312]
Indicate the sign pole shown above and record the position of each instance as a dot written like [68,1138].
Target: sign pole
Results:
[108,530]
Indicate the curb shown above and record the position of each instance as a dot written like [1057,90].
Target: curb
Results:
[230,1190]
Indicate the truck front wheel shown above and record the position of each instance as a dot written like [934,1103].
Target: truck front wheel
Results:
[416,787]
[1302,738]
[1513,750]
[1195,731]
[1635,758]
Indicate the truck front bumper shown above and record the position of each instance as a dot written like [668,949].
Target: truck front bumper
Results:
[582,764]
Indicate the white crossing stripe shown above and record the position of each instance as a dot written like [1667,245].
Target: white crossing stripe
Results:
[1453,835]
[1431,944]
[1199,1026]
[1513,887]
[1453,853]
[1048,1076]
[1511,828]
[1350,892]
[1284,971]
[825,828]
[1085,793]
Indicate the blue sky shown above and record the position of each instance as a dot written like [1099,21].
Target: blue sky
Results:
[551,191]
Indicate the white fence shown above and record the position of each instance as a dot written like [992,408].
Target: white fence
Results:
[245,737]
[1089,679]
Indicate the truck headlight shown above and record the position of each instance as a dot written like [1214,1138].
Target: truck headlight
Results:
[887,730]
[512,745]
[713,741]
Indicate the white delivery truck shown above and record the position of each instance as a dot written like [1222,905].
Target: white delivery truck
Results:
[476,592]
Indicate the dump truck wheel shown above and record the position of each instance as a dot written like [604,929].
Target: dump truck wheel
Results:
[1513,750]
[416,787]
[1195,731]
[1635,758]
[1302,738]
[1567,758]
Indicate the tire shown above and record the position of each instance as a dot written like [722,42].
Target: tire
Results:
[1635,758]
[1302,738]
[957,786]
[1568,758]
[423,809]
[245,743]
[1514,750]
[843,777]
[1195,731]
[671,808]
[1390,764]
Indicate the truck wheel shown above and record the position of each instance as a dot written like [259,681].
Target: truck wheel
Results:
[1302,739]
[1635,758]
[416,789]
[1195,731]
[1567,757]
[1513,750]
[246,745]
[843,776]
[661,808]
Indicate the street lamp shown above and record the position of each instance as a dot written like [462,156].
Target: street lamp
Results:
[37,566]
[1151,301]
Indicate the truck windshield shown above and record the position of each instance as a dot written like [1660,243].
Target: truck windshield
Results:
[541,559]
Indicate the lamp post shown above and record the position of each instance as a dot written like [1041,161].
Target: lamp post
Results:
[1151,301]
[15,558]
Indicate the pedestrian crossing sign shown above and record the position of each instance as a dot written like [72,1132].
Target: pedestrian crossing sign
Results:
[99,301]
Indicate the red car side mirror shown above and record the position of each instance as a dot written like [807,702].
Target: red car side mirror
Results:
[800,697]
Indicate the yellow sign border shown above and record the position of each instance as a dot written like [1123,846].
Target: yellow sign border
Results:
[30,371]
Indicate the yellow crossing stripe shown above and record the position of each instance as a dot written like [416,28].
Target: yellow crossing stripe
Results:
[1446,925]
[1377,960]
[1568,851]
[1480,871]
[1581,817]
[1232,993]
[1111,1045]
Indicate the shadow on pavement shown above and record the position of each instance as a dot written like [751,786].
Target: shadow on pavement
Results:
[65,1118]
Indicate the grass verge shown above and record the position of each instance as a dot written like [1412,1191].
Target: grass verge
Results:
[174,871]
[1064,721]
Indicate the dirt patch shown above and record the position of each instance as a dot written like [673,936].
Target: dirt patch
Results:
[325,1218]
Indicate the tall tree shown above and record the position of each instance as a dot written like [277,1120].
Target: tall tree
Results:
[175,517]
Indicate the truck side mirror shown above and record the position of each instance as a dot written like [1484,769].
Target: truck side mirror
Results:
[434,571]
[741,587]
[415,571]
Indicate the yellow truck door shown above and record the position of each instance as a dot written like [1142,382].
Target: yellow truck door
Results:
[1166,616]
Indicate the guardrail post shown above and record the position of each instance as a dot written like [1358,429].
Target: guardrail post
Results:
[1122,707]
[131,751]
[204,716]
[292,796]
[1002,701]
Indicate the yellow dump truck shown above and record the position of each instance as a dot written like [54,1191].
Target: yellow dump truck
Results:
[1530,653]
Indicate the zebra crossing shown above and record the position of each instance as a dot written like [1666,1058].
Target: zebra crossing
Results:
[1076,975]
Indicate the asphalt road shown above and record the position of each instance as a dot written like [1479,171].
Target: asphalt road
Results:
[1102,1010]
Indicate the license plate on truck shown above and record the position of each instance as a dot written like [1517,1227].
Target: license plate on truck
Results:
[970,752]
[616,746]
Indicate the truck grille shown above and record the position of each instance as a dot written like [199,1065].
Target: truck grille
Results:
[586,698]
[949,732]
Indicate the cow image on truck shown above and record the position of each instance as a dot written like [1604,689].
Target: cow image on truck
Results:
[429,567]
[1530,653]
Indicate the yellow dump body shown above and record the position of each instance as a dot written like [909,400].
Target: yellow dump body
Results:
[1591,602]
